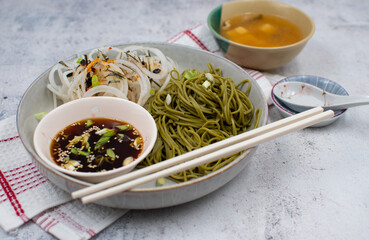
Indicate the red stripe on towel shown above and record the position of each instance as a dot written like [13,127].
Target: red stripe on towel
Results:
[30,185]
[46,222]
[22,178]
[26,175]
[65,217]
[12,198]
[175,37]
[8,139]
[19,189]
[42,220]
[255,74]
[50,224]
[180,34]
[91,232]
[21,172]
[196,40]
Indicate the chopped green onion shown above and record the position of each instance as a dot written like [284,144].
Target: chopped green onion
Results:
[74,151]
[108,160]
[168,99]
[99,160]
[79,60]
[209,76]
[79,152]
[191,74]
[95,81]
[40,115]
[75,140]
[120,135]
[89,123]
[152,91]
[85,140]
[160,182]
[128,160]
[83,153]
[71,165]
[125,127]
[136,143]
[110,133]
[102,141]
[103,131]
[206,84]
[110,153]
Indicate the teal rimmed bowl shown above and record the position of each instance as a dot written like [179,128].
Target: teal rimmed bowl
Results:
[262,58]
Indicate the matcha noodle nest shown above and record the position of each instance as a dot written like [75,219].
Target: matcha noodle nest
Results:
[195,110]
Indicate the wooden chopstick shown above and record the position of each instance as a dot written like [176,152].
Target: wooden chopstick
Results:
[195,153]
[203,155]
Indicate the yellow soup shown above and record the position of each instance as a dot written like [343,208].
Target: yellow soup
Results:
[260,30]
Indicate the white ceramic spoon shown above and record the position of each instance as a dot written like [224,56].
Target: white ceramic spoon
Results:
[300,96]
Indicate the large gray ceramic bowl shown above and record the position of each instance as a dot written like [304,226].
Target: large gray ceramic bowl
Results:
[38,98]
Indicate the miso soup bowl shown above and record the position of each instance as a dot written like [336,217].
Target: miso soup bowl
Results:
[94,107]
[262,58]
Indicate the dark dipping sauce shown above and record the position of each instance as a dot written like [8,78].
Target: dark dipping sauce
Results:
[96,145]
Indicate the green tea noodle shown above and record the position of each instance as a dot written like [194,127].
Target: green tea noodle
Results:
[195,110]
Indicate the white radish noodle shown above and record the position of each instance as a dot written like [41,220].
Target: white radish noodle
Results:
[131,73]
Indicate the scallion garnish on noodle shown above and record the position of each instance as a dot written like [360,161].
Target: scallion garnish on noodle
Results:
[131,73]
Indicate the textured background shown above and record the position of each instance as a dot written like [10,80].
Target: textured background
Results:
[311,184]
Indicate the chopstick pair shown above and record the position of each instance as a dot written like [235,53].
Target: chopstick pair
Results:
[202,155]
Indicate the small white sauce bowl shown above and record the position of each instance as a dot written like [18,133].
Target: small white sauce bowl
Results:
[94,107]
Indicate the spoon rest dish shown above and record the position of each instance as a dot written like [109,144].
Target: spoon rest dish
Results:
[301,96]
[320,82]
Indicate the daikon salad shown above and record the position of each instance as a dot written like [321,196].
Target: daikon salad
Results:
[133,73]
